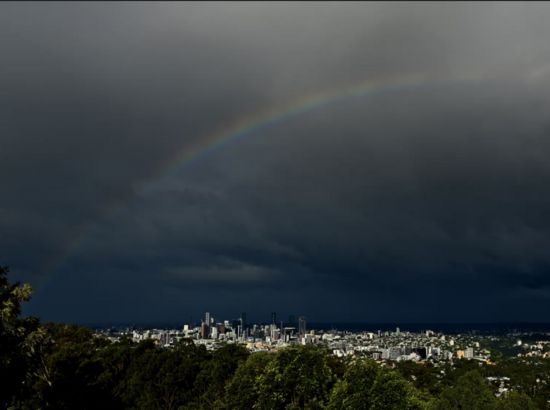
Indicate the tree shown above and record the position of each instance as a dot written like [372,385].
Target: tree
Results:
[471,392]
[210,382]
[297,377]
[392,392]
[19,339]
[354,390]
[241,391]
[162,378]
[422,375]
[71,371]
[516,401]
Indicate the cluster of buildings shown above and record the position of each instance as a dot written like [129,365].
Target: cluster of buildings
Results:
[398,346]
[380,345]
[539,348]
[240,331]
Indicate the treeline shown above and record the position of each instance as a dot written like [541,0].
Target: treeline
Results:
[56,366]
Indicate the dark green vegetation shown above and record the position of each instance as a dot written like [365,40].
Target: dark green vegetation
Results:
[55,366]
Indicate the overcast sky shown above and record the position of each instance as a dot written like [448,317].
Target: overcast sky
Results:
[413,204]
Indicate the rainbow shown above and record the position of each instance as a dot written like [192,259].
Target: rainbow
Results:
[252,124]
[258,121]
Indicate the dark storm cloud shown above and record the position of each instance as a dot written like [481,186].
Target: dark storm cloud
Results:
[427,203]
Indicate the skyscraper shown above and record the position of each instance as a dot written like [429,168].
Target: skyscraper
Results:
[273,318]
[302,326]
[243,323]
[205,328]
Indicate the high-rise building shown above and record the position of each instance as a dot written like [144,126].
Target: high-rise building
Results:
[274,332]
[243,320]
[302,326]
[205,331]
[205,326]
[273,318]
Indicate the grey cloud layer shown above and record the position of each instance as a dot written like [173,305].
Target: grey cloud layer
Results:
[391,203]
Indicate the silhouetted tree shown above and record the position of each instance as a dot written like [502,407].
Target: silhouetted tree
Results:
[516,401]
[296,378]
[471,392]
[242,390]
[211,381]
[19,341]
[71,371]
[391,391]
[353,391]
[163,378]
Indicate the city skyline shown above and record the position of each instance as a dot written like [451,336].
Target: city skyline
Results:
[345,162]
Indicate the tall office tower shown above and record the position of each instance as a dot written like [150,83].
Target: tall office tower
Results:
[205,331]
[243,320]
[273,318]
[302,326]
[214,332]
